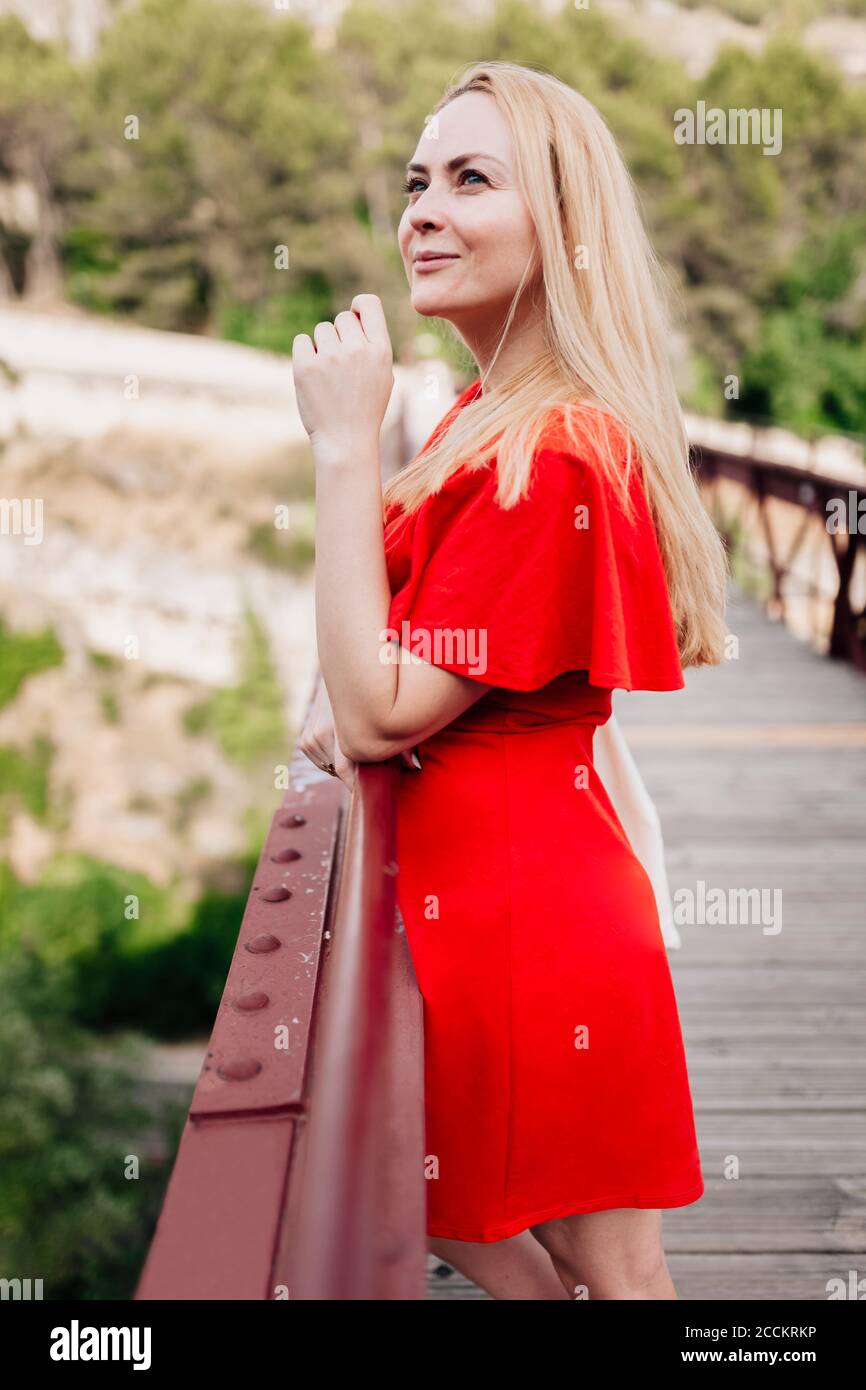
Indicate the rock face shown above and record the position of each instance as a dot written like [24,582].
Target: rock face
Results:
[156,536]
[145,556]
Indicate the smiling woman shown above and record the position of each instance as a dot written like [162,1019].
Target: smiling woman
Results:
[429,258]
[552,527]
[466,215]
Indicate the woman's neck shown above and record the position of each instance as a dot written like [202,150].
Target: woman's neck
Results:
[524,343]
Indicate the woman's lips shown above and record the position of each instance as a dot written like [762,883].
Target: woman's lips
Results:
[434,262]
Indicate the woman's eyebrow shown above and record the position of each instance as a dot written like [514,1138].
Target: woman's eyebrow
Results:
[455,163]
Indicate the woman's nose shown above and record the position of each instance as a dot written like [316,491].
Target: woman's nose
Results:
[426,211]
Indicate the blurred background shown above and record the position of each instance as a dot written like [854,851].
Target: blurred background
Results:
[184,186]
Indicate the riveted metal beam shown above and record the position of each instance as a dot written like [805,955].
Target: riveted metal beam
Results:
[257,1056]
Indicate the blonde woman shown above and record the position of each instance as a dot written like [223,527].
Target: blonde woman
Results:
[546,546]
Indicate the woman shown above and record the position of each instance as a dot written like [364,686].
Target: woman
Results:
[546,546]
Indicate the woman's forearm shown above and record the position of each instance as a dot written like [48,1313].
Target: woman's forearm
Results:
[353,597]
[384,700]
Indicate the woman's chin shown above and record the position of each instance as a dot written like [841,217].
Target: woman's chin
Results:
[430,305]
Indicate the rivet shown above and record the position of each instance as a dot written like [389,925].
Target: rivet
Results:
[260,944]
[256,999]
[277,893]
[285,856]
[241,1069]
[289,818]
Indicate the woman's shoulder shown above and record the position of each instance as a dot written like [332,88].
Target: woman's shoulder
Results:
[583,452]
[580,430]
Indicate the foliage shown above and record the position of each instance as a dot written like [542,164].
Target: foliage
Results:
[807,364]
[294,551]
[246,719]
[121,951]
[262,187]
[24,779]
[24,654]
[70,1214]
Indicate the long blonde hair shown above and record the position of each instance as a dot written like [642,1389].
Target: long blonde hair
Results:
[606,365]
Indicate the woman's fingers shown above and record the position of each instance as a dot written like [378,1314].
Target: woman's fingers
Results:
[317,742]
[345,768]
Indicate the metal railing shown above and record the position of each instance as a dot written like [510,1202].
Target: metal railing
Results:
[300,1168]
[762,482]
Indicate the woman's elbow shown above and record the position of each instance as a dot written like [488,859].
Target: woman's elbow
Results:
[367,746]
[369,752]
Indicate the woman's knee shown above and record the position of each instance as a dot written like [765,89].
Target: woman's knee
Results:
[622,1253]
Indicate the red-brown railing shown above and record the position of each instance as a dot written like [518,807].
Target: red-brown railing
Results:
[300,1168]
[810,491]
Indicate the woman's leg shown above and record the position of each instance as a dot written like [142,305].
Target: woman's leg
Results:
[513,1268]
[609,1254]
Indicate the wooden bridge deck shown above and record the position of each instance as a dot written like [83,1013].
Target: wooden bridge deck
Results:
[758,770]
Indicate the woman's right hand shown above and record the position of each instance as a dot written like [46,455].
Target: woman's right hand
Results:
[318,740]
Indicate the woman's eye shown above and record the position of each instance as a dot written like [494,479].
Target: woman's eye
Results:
[409,183]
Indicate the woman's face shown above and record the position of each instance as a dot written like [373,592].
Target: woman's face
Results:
[473,213]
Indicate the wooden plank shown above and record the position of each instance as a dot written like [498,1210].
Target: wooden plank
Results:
[800,1143]
[824,1028]
[762,736]
[770,986]
[761,1278]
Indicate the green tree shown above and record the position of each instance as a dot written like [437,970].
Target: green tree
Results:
[71,1211]
[212,140]
[38,89]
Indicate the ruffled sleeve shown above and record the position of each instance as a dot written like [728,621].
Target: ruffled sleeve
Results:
[562,581]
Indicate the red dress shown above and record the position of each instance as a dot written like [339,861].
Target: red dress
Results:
[555,1074]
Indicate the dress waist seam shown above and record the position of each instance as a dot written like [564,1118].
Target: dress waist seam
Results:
[528,729]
